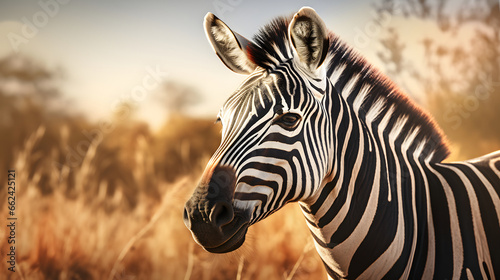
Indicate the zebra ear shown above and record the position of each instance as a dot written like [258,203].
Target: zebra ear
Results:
[309,37]
[228,45]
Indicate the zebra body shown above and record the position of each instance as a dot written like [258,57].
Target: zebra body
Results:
[315,124]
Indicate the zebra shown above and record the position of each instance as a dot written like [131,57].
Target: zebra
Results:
[315,123]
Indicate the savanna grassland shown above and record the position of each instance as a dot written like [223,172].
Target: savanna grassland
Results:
[75,223]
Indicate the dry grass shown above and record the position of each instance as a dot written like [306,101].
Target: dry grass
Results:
[85,231]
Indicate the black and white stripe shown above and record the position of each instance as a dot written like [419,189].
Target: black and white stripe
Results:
[363,161]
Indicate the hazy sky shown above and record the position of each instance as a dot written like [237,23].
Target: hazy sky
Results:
[107,48]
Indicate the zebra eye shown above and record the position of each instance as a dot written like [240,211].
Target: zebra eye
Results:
[288,121]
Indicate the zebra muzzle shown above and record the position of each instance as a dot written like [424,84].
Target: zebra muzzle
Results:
[210,215]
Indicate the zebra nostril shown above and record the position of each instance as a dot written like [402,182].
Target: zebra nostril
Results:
[222,214]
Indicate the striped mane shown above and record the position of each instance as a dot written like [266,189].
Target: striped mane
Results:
[376,96]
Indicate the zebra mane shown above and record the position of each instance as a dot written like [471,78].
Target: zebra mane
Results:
[370,92]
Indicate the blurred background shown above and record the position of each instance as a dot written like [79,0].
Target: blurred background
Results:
[107,113]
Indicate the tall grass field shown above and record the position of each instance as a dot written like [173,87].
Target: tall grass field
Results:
[75,221]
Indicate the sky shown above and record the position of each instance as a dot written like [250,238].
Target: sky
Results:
[113,51]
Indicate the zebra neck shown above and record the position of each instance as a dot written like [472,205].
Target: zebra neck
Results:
[329,213]
[366,176]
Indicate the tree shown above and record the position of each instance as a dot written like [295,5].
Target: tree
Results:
[177,97]
[23,76]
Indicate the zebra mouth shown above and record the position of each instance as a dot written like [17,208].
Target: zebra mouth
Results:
[234,241]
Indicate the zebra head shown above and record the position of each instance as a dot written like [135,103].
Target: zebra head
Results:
[272,126]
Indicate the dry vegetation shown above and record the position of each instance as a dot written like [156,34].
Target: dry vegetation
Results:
[116,211]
